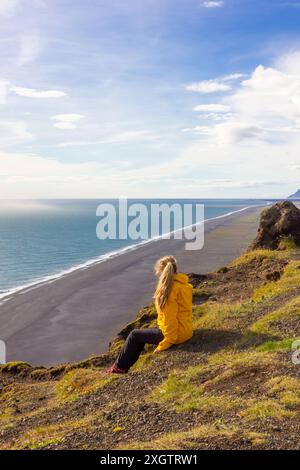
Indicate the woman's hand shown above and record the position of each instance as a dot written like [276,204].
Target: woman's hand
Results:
[156,351]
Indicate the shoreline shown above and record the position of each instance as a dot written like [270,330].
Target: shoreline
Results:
[74,316]
[35,283]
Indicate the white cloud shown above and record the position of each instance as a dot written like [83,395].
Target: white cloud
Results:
[252,151]
[30,48]
[216,116]
[3,91]
[290,63]
[208,86]
[67,121]
[213,108]
[200,130]
[35,176]
[68,117]
[233,132]
[33,168]
[32,93]
[270,98]
[215,85]
[8,7]
[40,3]
[225,184]
[213,4]
[13,132]
[65,125]
[260,136]
[126,137]
[218,183]
[233,76]
[266,106]
[294,166]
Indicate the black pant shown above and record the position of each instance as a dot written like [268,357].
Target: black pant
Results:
[134,345]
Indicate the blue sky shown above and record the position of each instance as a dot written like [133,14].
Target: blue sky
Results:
[149,98]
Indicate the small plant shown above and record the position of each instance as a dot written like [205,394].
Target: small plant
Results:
[118,429]
[287,243]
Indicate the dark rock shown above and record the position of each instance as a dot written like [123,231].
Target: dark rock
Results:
[196,279]
[273,276]
[276,222]
[223,270]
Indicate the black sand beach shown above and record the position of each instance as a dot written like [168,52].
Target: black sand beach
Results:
[77,315]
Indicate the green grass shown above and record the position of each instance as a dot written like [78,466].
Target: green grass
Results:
[215,315]
[287,243]
[212,315]
[191,439]
[182,395]
[18,399]
[265,409]
[42,436]
[273,323]
[182,440]
[15,367]
[116,346]
[260,256]
[243,358]
[182,391]
[283,383]
[78,382]
[145,361]
[281,345]
[287,389]
[199,293]
[289,281]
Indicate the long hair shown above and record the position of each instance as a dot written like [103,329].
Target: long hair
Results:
[165,268]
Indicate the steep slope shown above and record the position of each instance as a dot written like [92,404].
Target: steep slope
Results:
[233,386]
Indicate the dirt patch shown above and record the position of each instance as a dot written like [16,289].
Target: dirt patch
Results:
[238,283]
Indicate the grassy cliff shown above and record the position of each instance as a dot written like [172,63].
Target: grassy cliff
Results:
[233,386]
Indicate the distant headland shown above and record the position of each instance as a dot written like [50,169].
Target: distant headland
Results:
[295,195]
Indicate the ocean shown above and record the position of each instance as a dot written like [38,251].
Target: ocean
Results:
[43,239]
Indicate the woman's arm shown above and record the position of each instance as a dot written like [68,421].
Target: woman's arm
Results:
[170,332]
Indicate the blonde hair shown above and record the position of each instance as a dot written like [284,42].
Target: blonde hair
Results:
[165,268]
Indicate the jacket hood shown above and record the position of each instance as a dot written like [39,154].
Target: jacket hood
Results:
[180,277]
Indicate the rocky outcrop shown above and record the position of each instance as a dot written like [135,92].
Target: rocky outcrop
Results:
[278,222]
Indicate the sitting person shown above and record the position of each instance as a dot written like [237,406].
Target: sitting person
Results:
[173,301]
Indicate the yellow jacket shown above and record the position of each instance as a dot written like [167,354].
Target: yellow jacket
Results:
[175,318]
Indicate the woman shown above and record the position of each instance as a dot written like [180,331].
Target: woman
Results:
[173,301]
